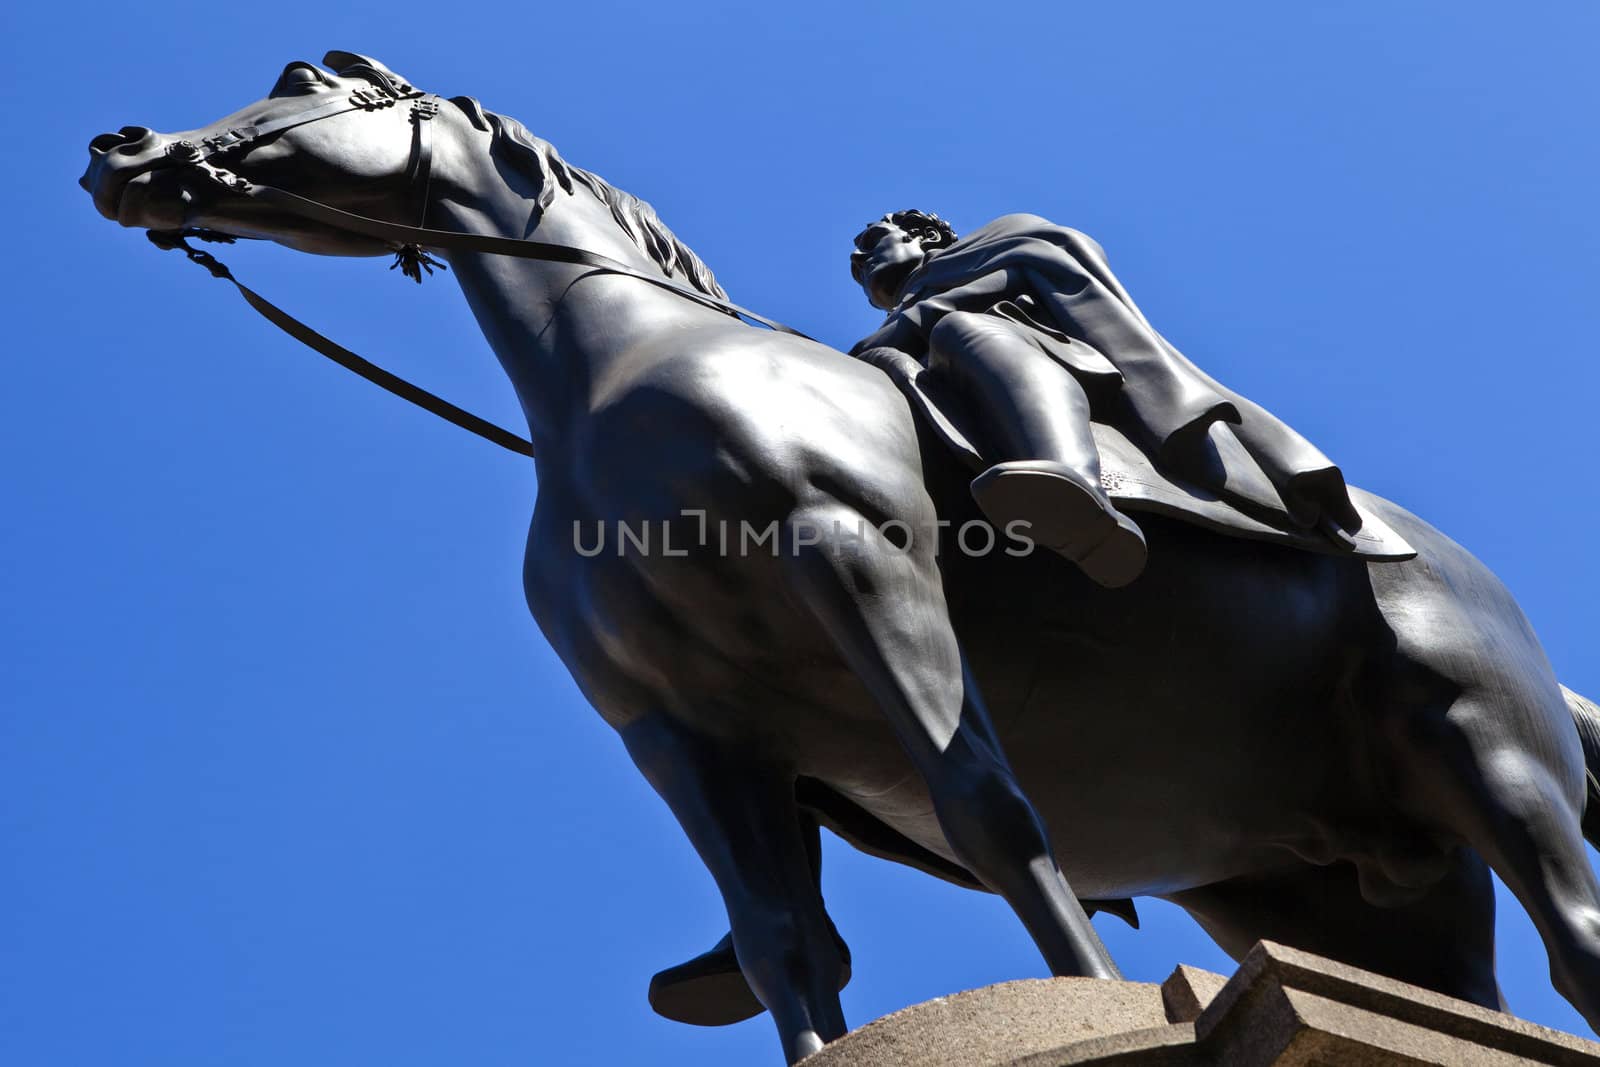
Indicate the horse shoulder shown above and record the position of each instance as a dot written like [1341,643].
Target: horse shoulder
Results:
[746,419]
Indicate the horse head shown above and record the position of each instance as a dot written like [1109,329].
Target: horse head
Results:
[347,139]
[366,144]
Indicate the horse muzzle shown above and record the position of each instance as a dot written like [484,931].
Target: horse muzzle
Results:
[130,181]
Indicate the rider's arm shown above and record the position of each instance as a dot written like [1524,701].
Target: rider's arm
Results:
[979,294]
[907,328]
[896,332]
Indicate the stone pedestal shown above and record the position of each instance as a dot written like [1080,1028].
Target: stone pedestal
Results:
[1282,1007]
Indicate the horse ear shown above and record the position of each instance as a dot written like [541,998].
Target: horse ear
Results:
[343,63]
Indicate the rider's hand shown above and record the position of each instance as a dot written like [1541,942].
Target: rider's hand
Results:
[897,332]
[892,361]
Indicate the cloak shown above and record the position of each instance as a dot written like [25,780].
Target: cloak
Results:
[1186,422]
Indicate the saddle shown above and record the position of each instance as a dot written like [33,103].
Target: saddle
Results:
[1247,506]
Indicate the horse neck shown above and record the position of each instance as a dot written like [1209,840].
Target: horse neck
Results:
[562,333]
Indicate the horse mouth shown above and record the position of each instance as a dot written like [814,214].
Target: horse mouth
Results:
[151,194]
[127,207]
[149,199]
[165,201]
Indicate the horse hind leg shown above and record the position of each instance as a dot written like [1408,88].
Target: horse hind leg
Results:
[1442,940]
[1502,768]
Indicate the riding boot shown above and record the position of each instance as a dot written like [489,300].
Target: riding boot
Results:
[1036,416]
[1054,504]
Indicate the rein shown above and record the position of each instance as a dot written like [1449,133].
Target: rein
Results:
[409,242]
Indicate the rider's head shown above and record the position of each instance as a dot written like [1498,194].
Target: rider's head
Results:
[889,249]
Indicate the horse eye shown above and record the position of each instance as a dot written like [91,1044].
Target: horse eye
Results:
[296,78]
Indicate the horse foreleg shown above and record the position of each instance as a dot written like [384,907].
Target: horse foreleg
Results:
[742,820]
[710,990]
[883,607]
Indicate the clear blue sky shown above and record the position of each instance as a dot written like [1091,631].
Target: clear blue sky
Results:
[287,775]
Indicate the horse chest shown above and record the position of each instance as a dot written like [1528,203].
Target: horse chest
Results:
[670,624]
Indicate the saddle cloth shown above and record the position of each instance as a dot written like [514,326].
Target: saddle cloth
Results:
[1135,484]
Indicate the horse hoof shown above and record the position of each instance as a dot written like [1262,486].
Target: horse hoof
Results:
[710,989]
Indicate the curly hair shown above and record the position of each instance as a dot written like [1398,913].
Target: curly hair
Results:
[926,227]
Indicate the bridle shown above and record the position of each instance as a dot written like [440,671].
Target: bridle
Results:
[409,242]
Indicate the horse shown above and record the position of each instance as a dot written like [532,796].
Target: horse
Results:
[1294,746]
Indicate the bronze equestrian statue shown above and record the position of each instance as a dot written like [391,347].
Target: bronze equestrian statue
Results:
[1290,729]
[1012,320]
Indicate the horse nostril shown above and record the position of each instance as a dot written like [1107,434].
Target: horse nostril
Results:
[130,149]
[105,142]
[136,138]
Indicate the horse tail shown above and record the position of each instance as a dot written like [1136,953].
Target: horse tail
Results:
[1587,717]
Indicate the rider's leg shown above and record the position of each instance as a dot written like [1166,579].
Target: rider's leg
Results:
[1032,408]
[1036,417]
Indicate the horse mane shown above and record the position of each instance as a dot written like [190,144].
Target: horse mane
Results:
[537,159]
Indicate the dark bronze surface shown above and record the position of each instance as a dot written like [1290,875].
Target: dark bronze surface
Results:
[1304,747]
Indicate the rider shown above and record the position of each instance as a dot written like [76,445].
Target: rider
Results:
[1027,321]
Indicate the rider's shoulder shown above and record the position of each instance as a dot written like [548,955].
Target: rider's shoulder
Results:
[1023,220]
[1027,223]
